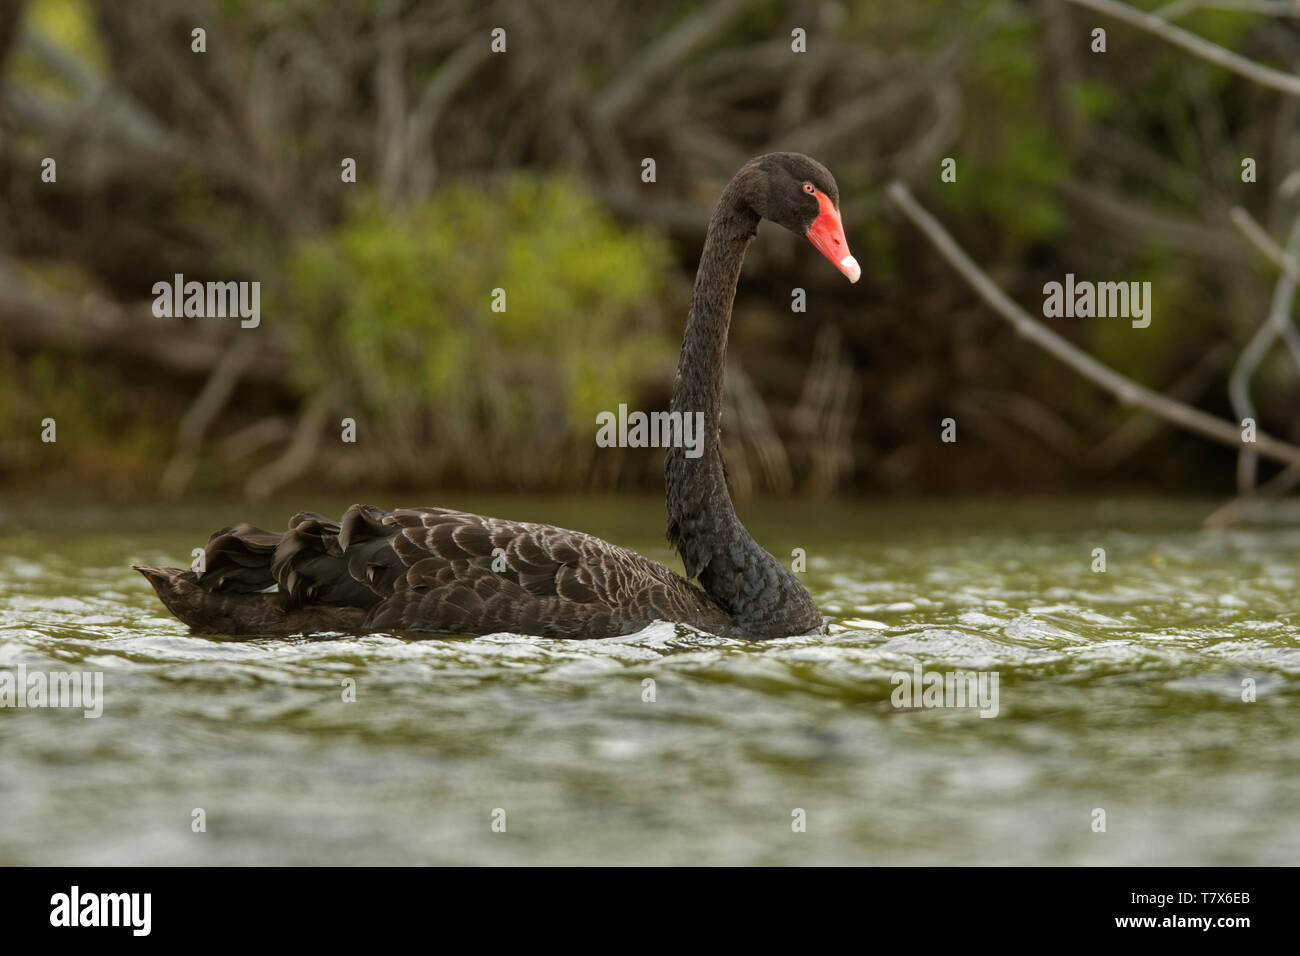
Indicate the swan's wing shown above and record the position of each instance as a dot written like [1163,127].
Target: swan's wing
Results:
[467,573]
[445,571]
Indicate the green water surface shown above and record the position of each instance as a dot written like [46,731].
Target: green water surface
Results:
[1119,691]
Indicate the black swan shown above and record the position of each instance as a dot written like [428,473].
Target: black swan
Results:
[447,572]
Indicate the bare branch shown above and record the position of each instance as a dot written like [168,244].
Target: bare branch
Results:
[1261,240]
[1125,440]
[212,398]
[661,57]
[1211,52]
[1235,510]
[297,458]
[1138,221]
[1125,389]
[1273,8]
[1275,324]
[1287,262]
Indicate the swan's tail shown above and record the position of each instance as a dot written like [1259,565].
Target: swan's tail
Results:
[259,582]
[208,612]
[242,615]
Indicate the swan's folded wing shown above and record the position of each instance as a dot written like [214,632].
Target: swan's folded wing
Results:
[467,573]
[237,560]
[442,571]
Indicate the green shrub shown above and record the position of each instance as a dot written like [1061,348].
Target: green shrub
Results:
[395,311]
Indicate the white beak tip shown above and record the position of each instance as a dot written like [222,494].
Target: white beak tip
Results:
[849,266]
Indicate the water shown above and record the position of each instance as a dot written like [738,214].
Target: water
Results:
[1120,691]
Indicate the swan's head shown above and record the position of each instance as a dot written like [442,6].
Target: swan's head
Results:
[799,193]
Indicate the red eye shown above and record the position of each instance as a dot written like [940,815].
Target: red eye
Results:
[809,188]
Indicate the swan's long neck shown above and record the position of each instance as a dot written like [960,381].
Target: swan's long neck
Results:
[760,593]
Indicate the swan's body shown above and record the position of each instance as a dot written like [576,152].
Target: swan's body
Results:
[448,572]
[422,569]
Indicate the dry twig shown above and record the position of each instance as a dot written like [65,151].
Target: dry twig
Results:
[1125,389]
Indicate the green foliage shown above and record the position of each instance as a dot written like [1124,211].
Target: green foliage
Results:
[68,25]
[1227,28]
[1092,99]
[101,431]
[395,310]
[1011,163]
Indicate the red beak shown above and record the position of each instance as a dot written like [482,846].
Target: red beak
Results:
[827,234]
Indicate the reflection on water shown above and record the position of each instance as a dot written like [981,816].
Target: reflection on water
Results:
[1119,690]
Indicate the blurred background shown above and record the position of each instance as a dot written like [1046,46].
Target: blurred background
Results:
[523,170]
[1058,544]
